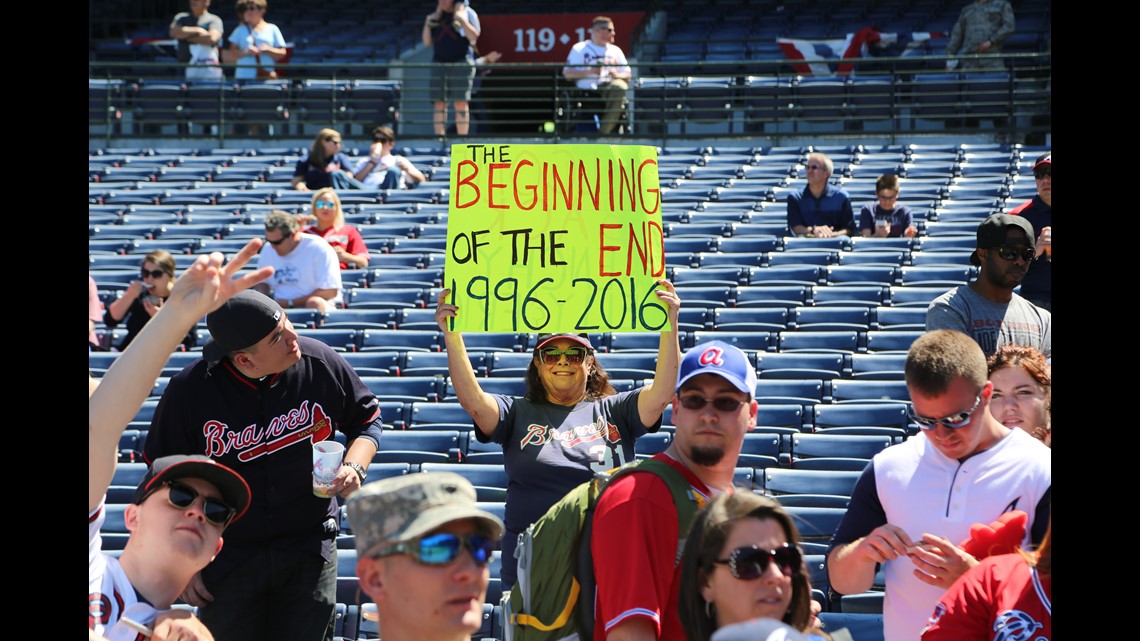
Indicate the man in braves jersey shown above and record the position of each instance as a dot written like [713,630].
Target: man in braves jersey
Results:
[598,64]
[258,401]
[179,510]
[636,529]
[916,498]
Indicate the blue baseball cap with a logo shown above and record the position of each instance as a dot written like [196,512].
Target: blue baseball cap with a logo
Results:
[724,360]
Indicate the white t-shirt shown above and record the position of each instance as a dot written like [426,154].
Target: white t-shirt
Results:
[587,54]
[388,162]
[312,265]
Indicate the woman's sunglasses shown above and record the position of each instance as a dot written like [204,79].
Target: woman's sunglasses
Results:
[143,273]
[325,204]
[183,496]
[574,355]
[750,562]
[952,422]
[442,549]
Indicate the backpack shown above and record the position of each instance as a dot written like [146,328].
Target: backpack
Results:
[555,566]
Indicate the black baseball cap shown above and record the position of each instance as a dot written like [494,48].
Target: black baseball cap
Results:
[992,232]
[243,320]
[582,339]
[234,489]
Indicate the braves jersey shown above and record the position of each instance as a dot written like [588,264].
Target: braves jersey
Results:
[110,593]
[1002,598]
[915,487]
[636,555]
[265,430]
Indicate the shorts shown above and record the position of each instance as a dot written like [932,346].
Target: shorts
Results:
[451,82]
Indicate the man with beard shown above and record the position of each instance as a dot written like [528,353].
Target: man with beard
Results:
[635,526]
[987,309]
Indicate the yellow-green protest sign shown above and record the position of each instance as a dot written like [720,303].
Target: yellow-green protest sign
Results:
[555,238]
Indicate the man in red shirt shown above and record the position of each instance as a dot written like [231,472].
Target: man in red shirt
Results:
[636,530]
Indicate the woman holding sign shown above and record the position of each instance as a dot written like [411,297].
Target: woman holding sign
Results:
[569,424]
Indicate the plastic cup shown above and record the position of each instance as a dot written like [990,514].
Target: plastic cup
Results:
[327,457]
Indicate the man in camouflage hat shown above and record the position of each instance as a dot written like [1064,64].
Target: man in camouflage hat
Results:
[423,548]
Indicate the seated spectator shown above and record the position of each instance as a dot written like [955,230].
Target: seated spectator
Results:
[741,561]
[329,224]
[887,219]
[600,65]
[820,210]
[143,298]
[384,170]
[94,314]
[325,165]
[306,269]
[1037,286]
[1023,382]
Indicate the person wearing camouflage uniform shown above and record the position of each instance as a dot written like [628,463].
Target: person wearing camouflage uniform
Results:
[982,27]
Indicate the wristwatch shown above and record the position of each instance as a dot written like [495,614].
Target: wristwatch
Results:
[358,468]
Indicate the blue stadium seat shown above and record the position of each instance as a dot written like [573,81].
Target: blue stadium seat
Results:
[418,363]
[824,444]
[832,318]
[489,480]
[845,341]
[879,341]
[375,363]
[886,414]
[407,389]
[438,416]
[733,319]
[821,365]
[419,446]
[400,340]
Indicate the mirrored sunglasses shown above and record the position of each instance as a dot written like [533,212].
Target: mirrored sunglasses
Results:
[442,549]
[325,204]
[952,422]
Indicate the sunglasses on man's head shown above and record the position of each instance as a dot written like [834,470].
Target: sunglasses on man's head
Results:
[750,562]
[952,422]
[574,355]
[442,549]
[183,496]
[144,272]
[1011,254]
[721,404]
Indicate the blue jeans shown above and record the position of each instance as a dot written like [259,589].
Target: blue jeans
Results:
[274,595]
[341,180]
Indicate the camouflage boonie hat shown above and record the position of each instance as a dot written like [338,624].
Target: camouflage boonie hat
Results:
[404,507]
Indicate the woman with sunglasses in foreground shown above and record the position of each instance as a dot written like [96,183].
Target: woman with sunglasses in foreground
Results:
[144,297]
[569,424]
[326,165]
[327,220]
[742,561]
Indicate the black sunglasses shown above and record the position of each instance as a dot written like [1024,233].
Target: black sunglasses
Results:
[1011,254]
[380,139]
[721,404]
[750,562]
[337,141]
[952,422]
[278,241]
[143,273]
[183,496]
[442,549]
[1041,173]
[574,355]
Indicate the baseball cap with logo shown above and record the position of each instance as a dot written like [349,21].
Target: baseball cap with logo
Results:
[234,489]
[724,360]
[992,233]
[581,339]
[1047,160]
[401,508]
[243,320]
